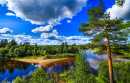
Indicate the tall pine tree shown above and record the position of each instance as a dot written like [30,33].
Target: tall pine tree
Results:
[104,30]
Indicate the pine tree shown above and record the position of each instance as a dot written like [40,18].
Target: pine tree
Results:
[62,46]
[5,42]
[120,2]
[35,50]
[109,30]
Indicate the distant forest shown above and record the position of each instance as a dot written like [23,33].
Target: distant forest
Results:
[13,50]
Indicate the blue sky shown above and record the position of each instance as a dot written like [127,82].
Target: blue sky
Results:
[51,22]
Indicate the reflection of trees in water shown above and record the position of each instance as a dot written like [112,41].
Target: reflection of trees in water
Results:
[63,63]
[11,65]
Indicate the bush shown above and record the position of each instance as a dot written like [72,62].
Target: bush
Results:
[19,80]
[39,76]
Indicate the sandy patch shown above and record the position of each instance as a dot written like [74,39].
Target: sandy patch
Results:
[40,60]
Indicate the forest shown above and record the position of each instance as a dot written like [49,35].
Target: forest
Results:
[13,50]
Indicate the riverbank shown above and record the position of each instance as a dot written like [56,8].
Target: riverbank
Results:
[40,60]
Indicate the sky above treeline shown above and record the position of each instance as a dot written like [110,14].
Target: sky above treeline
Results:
[51,22]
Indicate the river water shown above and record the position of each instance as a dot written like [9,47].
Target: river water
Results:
[11,69]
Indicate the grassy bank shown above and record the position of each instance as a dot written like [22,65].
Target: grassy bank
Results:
[65,55]
[47,56]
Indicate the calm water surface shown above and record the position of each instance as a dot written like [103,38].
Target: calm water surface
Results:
[11,69]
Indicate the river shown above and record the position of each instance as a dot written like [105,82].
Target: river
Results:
[11,69]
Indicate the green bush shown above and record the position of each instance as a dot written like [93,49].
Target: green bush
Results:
[39,76]
[19,80]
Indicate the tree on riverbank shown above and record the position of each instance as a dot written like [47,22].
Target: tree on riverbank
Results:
[105,30]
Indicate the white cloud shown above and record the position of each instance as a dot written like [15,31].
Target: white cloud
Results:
[19,38]
[73,38]
[22,38]
[76,38]
[2,2]
[47,32]
[45,11]
[10,14]
[6,31]
[123,12]
[52,35]
[68,21]
[43,29]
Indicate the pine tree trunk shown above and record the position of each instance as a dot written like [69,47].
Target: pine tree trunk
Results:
[109,60]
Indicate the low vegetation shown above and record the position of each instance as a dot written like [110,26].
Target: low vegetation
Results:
[65,55]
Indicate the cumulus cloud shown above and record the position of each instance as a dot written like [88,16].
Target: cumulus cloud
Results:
[22,38]
[77,39]
[45,11]
[52,35]
[120,12]
[10,14]
[6,31]
[47,32]
[42,29]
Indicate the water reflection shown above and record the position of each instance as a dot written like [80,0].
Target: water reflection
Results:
[94,59]
[63,63]
[11,65]
[11,69]
[59,66]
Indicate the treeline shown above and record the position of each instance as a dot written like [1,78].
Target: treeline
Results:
[81,74]
[116,49]
[13,50]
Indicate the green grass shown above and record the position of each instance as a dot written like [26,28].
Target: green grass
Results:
[29,57]
[65,55]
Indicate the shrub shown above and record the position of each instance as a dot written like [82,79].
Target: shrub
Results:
[19,80]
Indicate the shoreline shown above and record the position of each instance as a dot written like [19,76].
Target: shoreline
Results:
[41,61]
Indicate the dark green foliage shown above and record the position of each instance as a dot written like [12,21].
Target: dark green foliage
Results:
[3,53]
[35,50]
[2,43]
[120,2]
[120,71]
[19,52]
[12,43]
[62,46]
